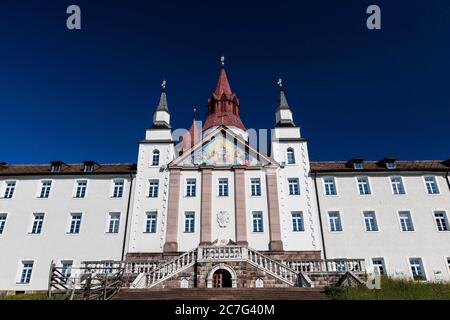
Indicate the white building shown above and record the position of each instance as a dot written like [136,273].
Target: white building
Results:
[243,218]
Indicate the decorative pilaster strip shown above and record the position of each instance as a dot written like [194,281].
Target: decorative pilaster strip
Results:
[171,244]
[206,208]
[240,207]
[275,244]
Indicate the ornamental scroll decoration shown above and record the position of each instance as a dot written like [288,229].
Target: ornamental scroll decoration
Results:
[223,218]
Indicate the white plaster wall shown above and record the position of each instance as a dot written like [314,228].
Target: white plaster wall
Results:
[189,241]
[54,242]
[390,243]
[223,204]
[257,240]
[139,240]
[309,239]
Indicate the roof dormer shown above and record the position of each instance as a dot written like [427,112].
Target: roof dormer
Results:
[89,166]
[356,163]
[388,163]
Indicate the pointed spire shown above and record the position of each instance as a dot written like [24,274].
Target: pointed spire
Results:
[163,105]
[282,101]
[223,86]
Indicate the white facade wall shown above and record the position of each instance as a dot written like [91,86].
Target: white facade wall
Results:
[390,242]
[54,243]
[140,240]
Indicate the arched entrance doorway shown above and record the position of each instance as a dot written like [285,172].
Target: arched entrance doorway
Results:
[222,279]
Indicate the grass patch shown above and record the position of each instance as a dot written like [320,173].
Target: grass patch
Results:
[393,289]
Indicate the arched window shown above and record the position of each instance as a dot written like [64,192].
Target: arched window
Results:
[155,158]
[290,156]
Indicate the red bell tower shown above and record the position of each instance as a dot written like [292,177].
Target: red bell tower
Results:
[223,106]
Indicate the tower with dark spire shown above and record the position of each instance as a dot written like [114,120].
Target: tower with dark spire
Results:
[223,106]
[161,116]
[283,113]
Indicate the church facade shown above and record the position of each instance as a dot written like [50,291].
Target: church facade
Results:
[211,210]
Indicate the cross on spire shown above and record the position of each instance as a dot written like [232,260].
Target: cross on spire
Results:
[222,60]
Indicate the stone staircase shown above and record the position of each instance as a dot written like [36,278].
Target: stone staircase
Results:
[178,264]
[223,294]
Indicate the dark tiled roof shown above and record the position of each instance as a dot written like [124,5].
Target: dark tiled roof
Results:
[31,169]
[343,166]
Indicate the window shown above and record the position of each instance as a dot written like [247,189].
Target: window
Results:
[191,187]
[88,167]
[290,156]
[189,222]
[358,165]
[55,168]
[391,165]
[153,188]
[118,188]
[150,225]
[406,221]
[297,221]
[75,223]
[417,269]
[155,158]
[441,220]
[38,221]
[2,222]
[9,190]
[114,222]
[66,268]
[257,222]
[363,185]
[81,189]
[370,221]
[294,189]
[431,184]
[397,185]
[45,189]
[330,186]
[27,269]
[223,187]
[255,186]
[334,218]
[378,266]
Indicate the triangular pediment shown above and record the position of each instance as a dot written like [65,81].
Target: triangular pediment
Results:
[222,148]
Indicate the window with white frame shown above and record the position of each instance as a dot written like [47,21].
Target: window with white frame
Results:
[294,187]
[189,222]
[397,185]
[378,266]
[81,189]
[257,221]
[431,185]
[391,165]
[255,186]
[2,222]
[363,185]
[75,223]
[88,167]
[114,222]
[155,158]
[297,221]
[334,219]
[417,270]
[191,187]
[358,165]
[55,168]
[38,222]
[118,188]
[406,221]
[153,188]
[45,189]
[10,187]
[223,187]
[27,270]
[150,224]
[66,268]
[370,221]
[330,186]
[290,156]
[441,220]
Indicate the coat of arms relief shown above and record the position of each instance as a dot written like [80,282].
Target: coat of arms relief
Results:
[223,218]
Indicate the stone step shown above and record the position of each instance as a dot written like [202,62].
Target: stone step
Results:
[223,294]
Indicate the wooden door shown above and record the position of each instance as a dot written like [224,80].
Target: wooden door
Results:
[217,279]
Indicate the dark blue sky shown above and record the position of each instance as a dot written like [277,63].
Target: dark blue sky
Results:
[89,94]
